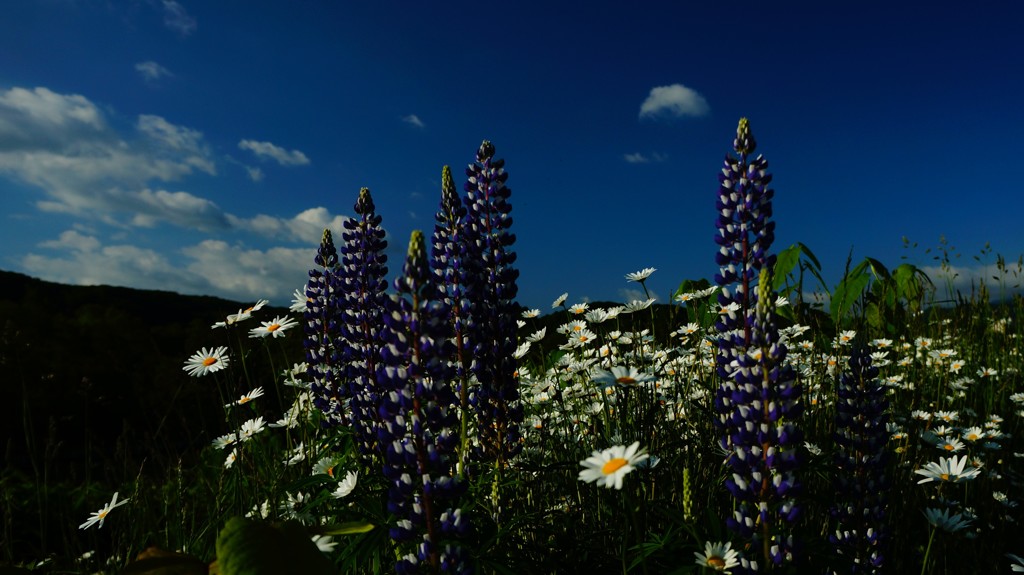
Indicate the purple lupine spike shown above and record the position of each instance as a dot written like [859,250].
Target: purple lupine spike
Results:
[489,260]
[418,425]
[861,482]
[323,333]
[362,284]
[758,401]
[451,273]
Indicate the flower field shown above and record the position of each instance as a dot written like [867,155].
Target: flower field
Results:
[758,422]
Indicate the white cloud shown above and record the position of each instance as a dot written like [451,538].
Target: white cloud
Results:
[255,174]
[178,19]
[151,71]
[673,101]
[265,150]
[414,120]
[249,273]
[183,142]
[307,226]
[967,279]
[639,158]
[38,116]
[62,145]
[212,266]
[73,241]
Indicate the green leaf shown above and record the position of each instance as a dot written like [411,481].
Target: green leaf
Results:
[347,528]
[250,547]
[848,290]
[878,269]
[785,263]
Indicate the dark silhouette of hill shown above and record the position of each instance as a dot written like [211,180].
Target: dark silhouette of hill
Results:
[91,372]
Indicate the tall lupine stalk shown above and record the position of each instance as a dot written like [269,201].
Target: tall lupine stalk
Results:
[448,262]
[861,481]
[419,430]
[758,400]
[323,334]
[489,261]
[362,282]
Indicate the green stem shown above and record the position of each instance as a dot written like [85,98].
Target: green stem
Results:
[927,552]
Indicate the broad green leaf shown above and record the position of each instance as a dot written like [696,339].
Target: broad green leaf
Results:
[848,290]
[785,263]
[251,547]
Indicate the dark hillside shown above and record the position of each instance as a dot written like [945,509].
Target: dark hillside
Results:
[93,371]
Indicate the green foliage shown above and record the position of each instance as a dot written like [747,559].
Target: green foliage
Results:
[250,547]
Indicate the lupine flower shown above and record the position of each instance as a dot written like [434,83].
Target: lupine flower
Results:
[98,517]
[323,338]
[489,241]
[362,282]
[454,282]
[207,361]
[861,482]
[758,400]
[609,466]
[418,429]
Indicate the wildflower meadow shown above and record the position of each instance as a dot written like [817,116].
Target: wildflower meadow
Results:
[759,422]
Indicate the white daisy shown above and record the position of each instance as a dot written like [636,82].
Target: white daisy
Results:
[718,557]
[99,516]
[609,466]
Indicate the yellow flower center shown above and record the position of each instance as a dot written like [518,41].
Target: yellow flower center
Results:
[330,471]
[948,447]
[626,380]
[274,327]
[944,476]
[584,338]
[972,437]
[577,328]
[716,562]
[613,465]
[103,513]
[209,361]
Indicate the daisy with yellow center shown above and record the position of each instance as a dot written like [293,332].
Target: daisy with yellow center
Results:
[97,517]
[275,328]
[718,557]
[620,376]
[207,361]
[950,470]
[608,467]
[258,392]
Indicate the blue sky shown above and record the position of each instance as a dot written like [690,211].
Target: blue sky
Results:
[202,147]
